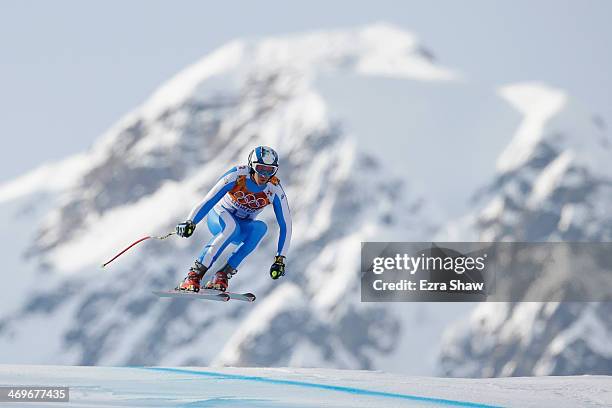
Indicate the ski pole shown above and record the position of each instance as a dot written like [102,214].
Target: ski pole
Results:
[137,242]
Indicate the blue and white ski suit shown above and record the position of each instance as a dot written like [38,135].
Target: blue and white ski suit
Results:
[232,206]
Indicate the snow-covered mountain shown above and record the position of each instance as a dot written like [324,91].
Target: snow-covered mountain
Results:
[148,170]
[554,183]
[311,96]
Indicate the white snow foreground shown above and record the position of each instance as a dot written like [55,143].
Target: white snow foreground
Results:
[284,387]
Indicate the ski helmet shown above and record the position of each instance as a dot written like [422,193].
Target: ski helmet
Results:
[263,160]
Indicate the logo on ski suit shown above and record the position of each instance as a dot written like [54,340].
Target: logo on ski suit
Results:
[247,200]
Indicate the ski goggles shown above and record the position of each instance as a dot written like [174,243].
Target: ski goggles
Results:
[265,169]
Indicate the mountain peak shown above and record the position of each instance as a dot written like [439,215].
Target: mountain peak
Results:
[552,120]
[534,98]
[379,49]
[538,103]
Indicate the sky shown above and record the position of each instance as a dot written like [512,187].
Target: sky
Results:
[70,69]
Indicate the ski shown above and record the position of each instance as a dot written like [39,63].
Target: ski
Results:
[217,296]
[245,297]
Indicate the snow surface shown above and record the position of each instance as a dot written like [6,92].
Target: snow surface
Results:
[285,387]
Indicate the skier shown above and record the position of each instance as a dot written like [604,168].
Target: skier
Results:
[232,206]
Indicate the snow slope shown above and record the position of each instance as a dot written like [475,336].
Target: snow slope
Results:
[286,387]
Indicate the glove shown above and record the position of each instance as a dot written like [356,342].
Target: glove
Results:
[278,267]
[185,229]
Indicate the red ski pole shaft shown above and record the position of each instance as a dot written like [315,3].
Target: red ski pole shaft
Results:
[135,243]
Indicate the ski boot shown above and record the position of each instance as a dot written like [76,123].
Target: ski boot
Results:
[220,279]
[194,276]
